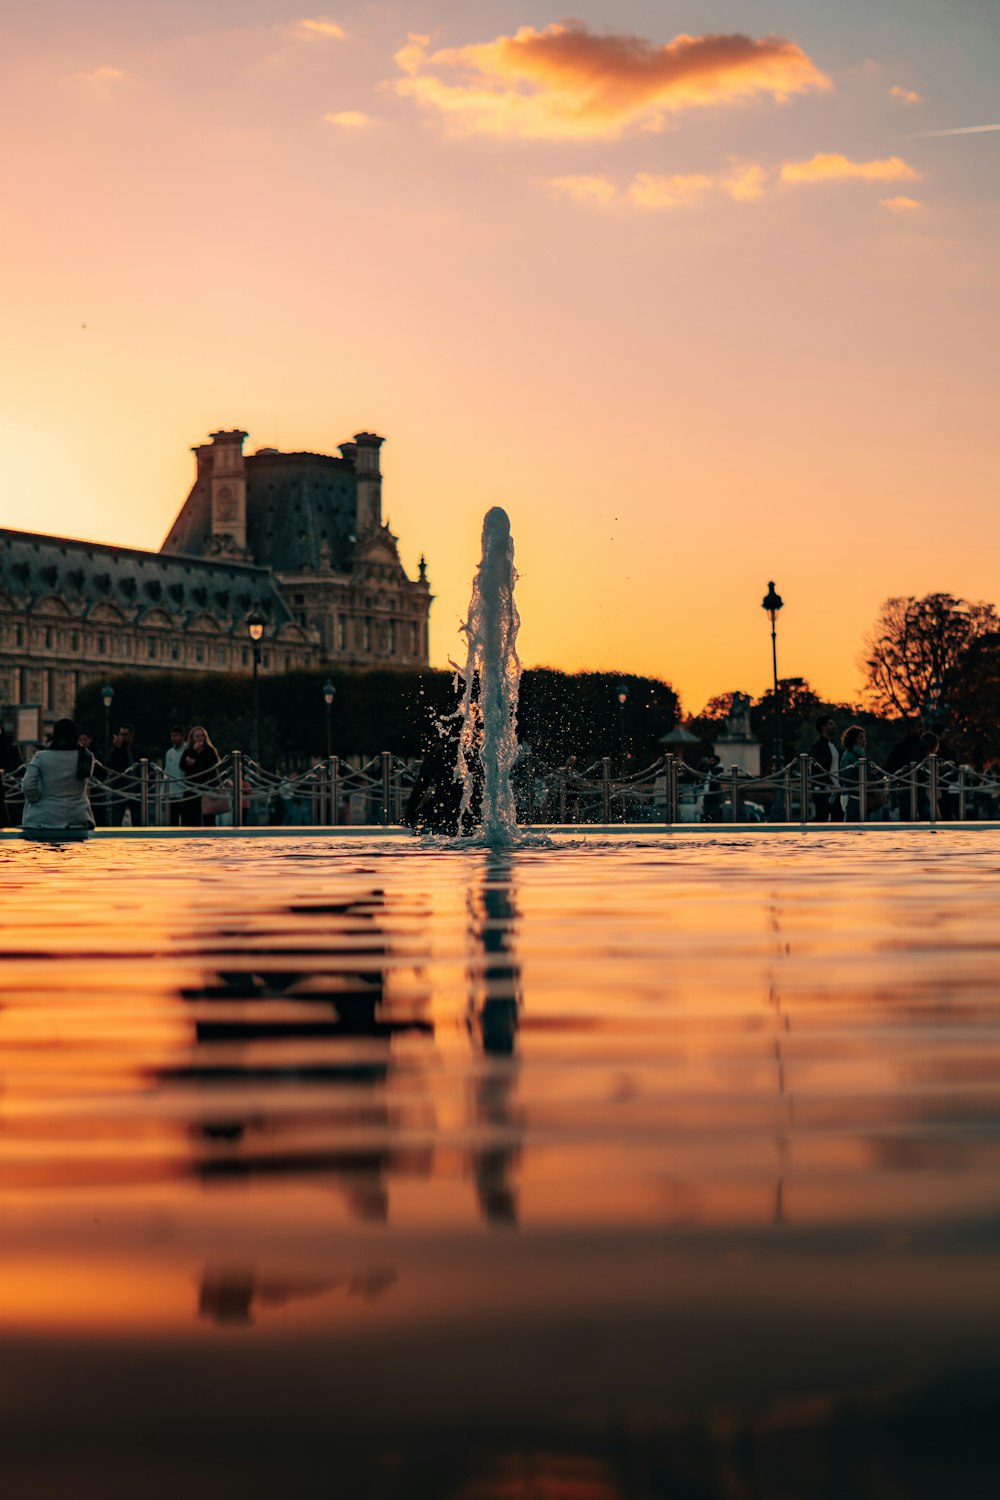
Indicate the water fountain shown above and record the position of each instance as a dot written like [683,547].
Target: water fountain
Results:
[492,676]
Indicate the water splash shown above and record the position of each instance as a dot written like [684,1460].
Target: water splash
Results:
[492,678]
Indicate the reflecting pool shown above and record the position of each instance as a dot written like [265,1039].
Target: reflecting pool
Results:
[664,1168]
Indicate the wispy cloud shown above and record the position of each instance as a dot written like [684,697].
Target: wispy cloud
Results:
[320,28]
[905,96]
[568,82]
[599,190]
[743,183]
[746,183]
[831,166]
[101,75]
[349,119]
[672,191]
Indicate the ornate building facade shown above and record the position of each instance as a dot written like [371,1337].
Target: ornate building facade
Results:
[296,538]
[316,522]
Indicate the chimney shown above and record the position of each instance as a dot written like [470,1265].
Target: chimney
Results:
[364,451]
[229,490]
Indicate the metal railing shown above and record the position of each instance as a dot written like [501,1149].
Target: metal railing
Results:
[334,792]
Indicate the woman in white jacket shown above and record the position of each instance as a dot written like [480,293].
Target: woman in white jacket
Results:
[56,783]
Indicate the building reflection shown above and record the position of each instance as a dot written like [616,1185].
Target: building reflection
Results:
[495,999]
[306,1064]
[234,1296]
[784,1120]
[294,1052]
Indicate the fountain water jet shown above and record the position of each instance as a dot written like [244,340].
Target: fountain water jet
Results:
[492,677]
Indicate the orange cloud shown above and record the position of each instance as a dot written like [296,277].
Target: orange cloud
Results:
[411,57]
[901,205]
[648,190]
[348,119]
[831,166]
[600,190]
[905,96]
[318,27]
[746,184]
[567,82]
[101,75]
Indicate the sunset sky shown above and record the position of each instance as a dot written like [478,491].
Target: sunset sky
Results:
[704,295]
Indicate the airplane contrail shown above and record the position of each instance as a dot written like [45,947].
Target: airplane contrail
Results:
[961,130]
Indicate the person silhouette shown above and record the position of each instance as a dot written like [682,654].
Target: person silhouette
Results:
[434,801]
[56,784]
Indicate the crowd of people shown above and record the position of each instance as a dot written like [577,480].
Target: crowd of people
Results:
[66,786]
[837,761]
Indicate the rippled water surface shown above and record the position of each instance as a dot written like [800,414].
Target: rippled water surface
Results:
[593,1171]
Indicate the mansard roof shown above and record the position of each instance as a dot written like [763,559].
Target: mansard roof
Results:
[85,573]
[301,510]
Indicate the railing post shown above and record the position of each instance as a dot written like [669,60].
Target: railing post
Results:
[333,768]
[668,809]
[606,786]
[788,792]
[237,788]
[804,790]
[734,794]
[863,789]
[386,787]
[932,764]
[961,794]
[144,791]
[672,791]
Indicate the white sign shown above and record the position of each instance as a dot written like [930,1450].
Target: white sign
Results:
[28,724]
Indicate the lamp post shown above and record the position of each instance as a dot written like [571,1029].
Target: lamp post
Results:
[329,692]
[255,630]
[107,698]
[772,602]
[622,695]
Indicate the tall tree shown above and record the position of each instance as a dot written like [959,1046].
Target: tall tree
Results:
[938,658]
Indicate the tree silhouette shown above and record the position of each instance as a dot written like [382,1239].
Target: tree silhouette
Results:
[938,658]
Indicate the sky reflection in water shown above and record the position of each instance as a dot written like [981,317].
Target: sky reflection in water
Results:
[559,1172]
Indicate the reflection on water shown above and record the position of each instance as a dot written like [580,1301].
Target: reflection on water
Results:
[236,1295]
[314,1009]
[583,1172]
[494,1004]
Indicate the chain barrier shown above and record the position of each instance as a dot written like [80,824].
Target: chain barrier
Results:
[240,792]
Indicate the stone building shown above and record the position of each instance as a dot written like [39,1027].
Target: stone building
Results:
[74,612]
[297,538]
[316,522]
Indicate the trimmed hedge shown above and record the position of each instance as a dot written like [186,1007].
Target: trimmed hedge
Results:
[377,709]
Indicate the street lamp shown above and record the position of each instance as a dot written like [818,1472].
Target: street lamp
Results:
[255,630]
[772,602]
[107,698]
[329,692]
[622,695]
